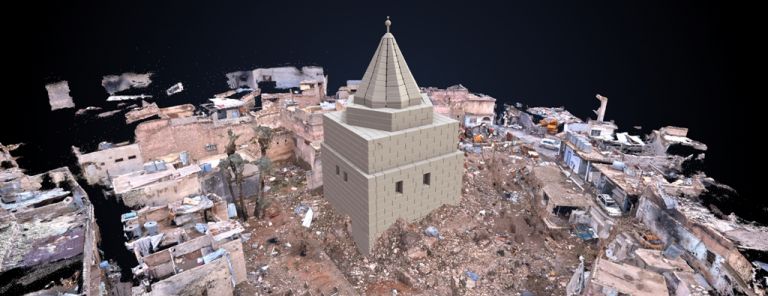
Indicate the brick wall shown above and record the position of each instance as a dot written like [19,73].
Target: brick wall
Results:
[158,138]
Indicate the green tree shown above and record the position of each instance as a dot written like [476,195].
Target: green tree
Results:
[232,167]
[264,137]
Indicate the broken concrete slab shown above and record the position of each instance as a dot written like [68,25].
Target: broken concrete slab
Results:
[143,112]
[174,89]
[108,113]
[126,98]
[609,278]
[58,95]
[284,77]
[117,83]
[47,236]
[85,110]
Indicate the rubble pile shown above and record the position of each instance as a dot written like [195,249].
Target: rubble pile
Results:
[490,244]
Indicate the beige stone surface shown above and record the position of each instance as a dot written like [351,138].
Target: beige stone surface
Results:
[161,137]
[388,136]
[101,165]
[388,83]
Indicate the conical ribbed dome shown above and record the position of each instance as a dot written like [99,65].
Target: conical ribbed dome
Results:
[388,82]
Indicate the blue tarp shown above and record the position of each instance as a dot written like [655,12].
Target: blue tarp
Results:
[584,232]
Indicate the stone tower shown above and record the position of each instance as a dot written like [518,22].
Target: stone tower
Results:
[388,155]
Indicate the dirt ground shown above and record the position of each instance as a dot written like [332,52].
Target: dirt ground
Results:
[495,240]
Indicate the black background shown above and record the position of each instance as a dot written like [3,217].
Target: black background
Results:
[694,64]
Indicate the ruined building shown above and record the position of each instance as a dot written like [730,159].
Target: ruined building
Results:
[469,108]
[48,233]
[388,156]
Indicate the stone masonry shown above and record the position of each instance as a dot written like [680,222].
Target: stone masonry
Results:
[388,155]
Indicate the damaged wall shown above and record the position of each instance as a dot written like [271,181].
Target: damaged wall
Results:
[163,192]
[200,138]
[101,165]
[307,125]
[284,77]
[288,77]
[722,265]
[210,279]
[281,146]
[182,274]
[58,95]
[458,103]
[215,182]
[49,236]
[117,83]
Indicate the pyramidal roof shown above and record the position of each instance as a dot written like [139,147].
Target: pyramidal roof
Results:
[388,82]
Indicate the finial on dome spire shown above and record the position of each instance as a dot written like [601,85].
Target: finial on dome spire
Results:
[387,23]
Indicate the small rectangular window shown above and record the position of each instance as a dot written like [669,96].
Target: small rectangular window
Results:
[337,170]
[345,176]
[399,186]
[118,160]
[595,133]
[132,157]
[427,178]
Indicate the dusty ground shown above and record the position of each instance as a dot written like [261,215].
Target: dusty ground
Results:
[499,240]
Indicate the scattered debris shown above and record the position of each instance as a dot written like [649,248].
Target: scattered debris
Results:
[511,196]
[284,77]
[307,218]
[174,89]
[85,110]
[127,98]
[432,231]
[58,95]
[46,232]
[108,113]
[117,83]
[143,112]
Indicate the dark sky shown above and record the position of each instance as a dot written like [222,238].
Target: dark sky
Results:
[682,63]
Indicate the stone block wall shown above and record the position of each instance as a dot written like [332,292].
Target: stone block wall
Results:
[347,189]
[388,150]
[398,119]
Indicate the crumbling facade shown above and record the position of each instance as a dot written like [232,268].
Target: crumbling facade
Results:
[109,162]
[712,246]
[48,233]
[284,77]
[388,156]
[347,90]
[157,184]
[307,127]
[200,136]
[458,103]
[187,247]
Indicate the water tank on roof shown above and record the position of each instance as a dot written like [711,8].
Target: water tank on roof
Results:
[104,145]
[572,137]
[206,167]
[618,165]
[8,190]
[151,227]
[132,231]
[231,210]
[150,167]
[184,157]
[154,166]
